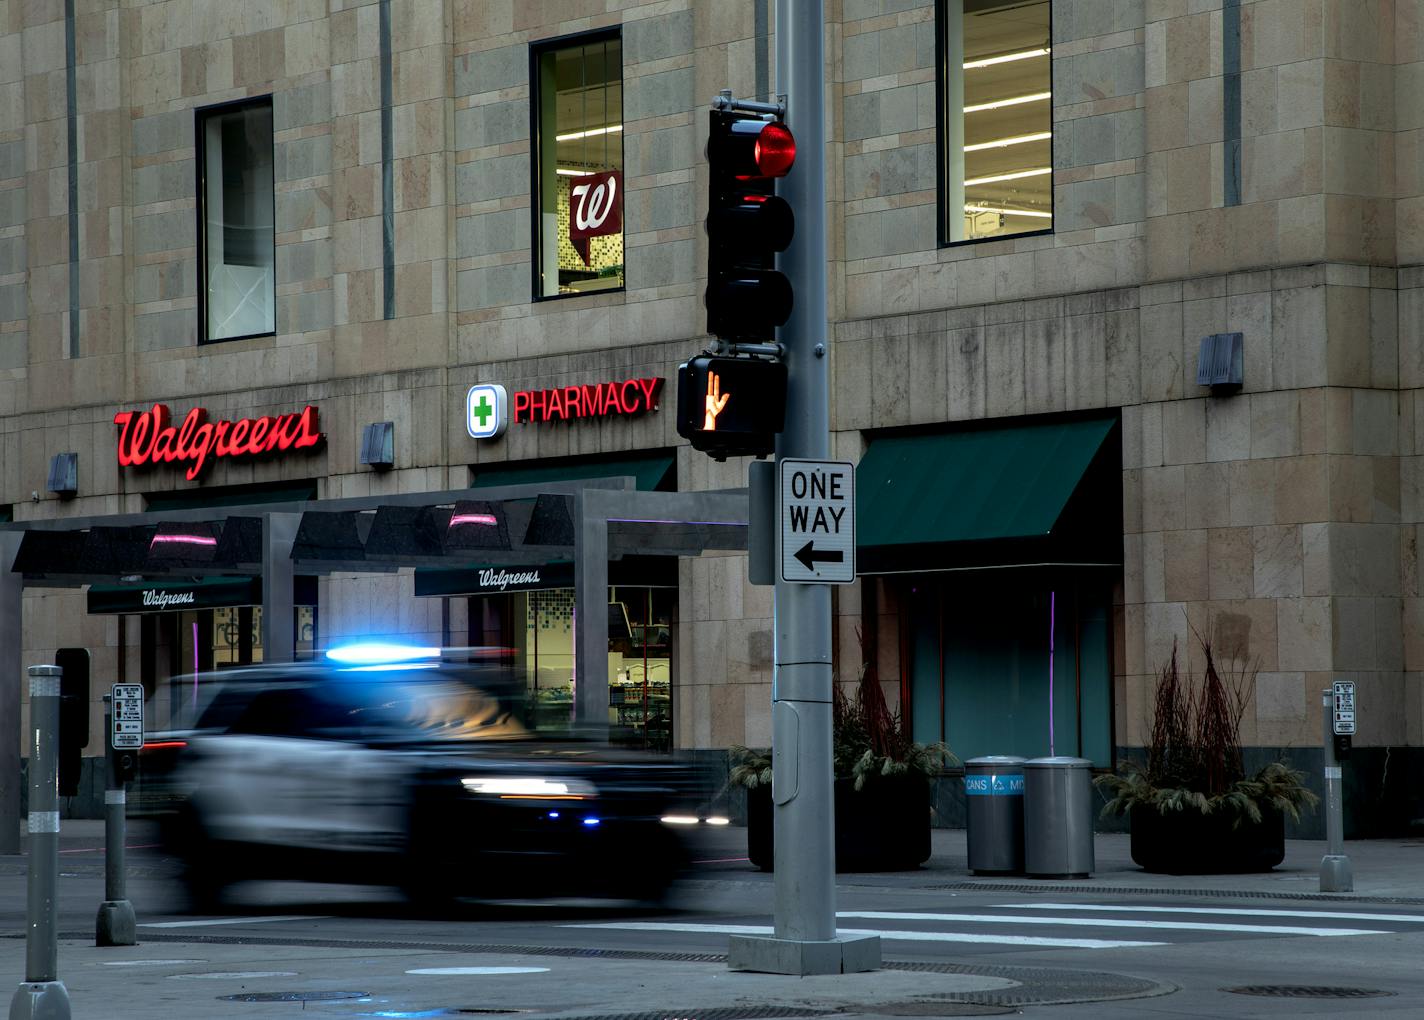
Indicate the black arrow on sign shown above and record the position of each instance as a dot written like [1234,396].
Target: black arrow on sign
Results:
[809,557]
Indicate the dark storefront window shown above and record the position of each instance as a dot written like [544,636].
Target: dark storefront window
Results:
[578,168]
[982,674]
[996,134]
[235,208]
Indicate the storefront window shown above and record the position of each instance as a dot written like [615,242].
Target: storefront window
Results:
[236,212]
[578,187]
[539,628]
[997,175]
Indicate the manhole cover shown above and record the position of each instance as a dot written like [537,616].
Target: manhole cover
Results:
[293,996]
[1310,991]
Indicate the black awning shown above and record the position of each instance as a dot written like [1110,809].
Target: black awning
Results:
[331,538]
[407,534]
[178,544]
[115,552]
[46,554]
[552,523]
[240,543]
[475,525]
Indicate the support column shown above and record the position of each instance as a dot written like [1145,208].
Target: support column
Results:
[590,615]
[279,532]
[12,602]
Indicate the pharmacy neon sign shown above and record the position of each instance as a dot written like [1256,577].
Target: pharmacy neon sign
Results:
[597,400]
[149,437]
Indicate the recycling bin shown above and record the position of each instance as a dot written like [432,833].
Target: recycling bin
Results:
[1058,817]
[994,805]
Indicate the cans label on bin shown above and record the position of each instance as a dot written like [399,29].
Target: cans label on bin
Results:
[989,786]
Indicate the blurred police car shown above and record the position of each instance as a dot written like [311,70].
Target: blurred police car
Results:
[417,768]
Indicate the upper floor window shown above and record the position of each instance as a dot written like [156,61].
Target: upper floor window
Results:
[238,242]
[578,166]
[996,176]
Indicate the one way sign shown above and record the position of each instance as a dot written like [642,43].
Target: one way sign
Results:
[817,521]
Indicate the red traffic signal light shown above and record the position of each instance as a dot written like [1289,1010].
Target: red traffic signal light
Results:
[775,150]
[747,224]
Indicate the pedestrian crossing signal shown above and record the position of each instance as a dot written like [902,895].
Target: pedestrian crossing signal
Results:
[731,406]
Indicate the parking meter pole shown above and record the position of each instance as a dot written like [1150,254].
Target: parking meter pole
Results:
[1336,874]
[115,923]
[42,996]
[805,940]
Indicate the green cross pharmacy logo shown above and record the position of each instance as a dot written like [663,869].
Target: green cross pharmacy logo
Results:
[486,411]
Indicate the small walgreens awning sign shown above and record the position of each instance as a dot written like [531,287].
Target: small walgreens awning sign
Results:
[149,437]
[490,408]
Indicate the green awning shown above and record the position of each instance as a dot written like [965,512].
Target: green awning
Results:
[651,472]
[974,485]
[160,596]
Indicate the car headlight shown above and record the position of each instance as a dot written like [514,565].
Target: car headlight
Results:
[530,788]
[694,820]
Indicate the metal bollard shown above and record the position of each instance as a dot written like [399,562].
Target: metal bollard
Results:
[1336,874]
[115,923]
[42,996]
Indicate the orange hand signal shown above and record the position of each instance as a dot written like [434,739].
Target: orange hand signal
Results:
[716,400]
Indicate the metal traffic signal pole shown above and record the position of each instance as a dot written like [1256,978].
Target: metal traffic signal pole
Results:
[805,939]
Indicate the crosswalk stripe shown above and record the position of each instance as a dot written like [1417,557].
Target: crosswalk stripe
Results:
[231,920]
[1225,912]
[903,936]
[1094,922]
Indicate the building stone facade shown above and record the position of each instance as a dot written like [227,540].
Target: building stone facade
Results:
[1284,519]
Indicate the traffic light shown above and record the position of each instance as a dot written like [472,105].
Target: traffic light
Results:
[731,407]
[747,224]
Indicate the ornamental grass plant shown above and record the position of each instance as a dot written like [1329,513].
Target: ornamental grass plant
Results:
[1194,760]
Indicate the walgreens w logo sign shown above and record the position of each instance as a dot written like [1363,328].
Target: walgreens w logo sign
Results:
[595,209]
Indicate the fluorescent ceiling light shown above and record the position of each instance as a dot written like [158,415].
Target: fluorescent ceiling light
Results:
[1007,58]
[1038,136]
[1037,214]
[999,104]
[574,136]
[1015,176]
[565,172]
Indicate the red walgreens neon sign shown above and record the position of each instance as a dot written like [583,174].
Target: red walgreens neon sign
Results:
[599,400]
[146,437]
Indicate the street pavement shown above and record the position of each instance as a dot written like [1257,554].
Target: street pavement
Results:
[1121,943]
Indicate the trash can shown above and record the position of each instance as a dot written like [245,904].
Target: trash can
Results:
[994,805]
[1058,817]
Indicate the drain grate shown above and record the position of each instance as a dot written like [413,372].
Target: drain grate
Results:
[293,996]
[1310,991]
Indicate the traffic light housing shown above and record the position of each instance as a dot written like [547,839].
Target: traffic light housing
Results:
[731,407]
[747,224]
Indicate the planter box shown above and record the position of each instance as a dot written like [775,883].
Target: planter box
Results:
[1189,843]
[885,827]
